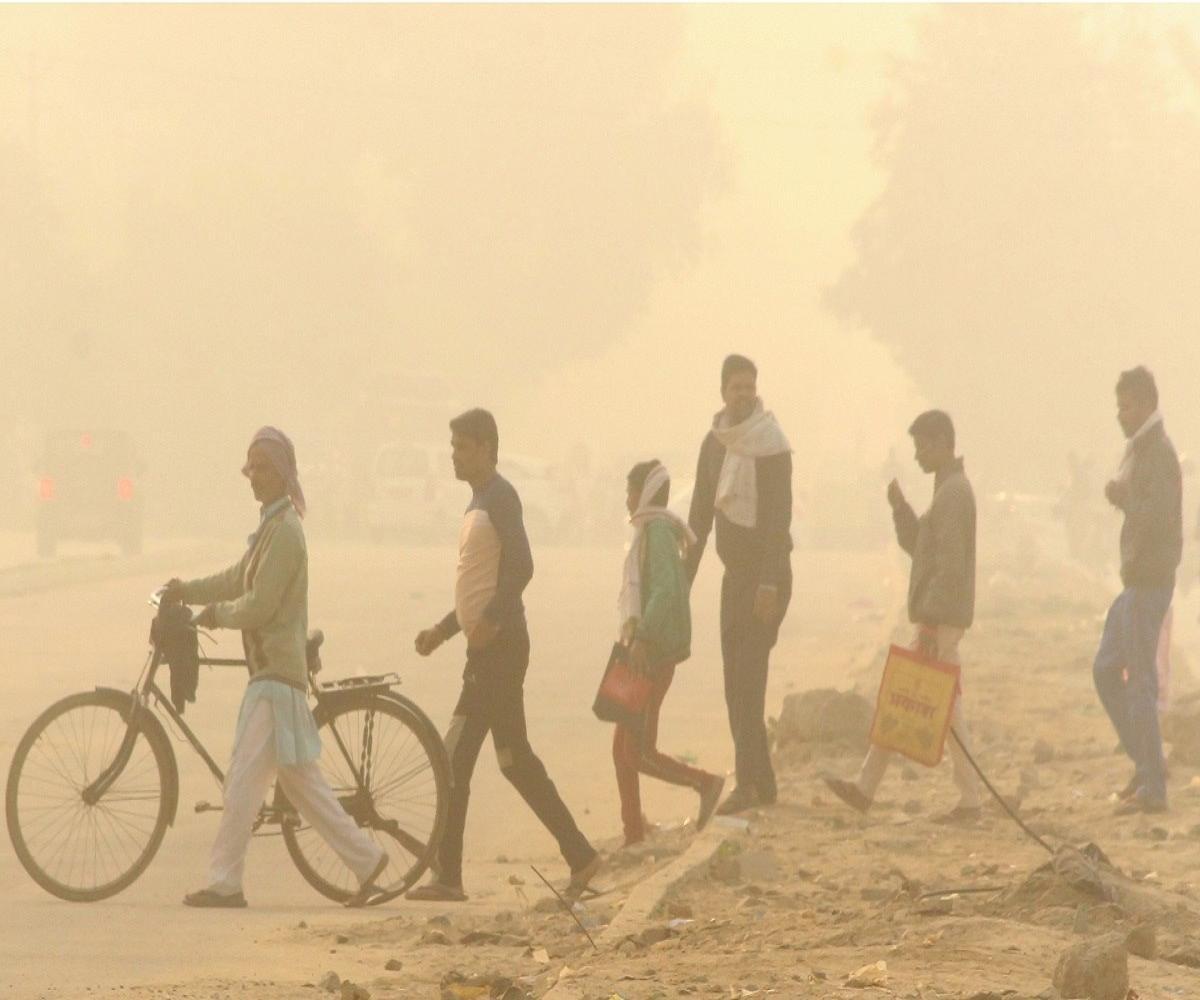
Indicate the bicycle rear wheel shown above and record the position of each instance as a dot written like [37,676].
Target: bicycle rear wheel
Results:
[76,850]
[401,802]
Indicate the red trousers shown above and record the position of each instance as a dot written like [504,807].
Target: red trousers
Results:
[637,753]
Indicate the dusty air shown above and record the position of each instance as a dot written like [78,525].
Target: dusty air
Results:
[612,502]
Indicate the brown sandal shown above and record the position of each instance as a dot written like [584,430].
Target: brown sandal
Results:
[369,890]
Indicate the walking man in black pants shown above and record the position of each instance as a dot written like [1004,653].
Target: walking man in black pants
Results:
[744,483]
[494,567]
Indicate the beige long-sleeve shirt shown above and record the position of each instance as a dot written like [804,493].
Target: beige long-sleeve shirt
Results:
[265,594]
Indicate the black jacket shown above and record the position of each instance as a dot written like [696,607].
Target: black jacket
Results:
[1152,535]
[762,552]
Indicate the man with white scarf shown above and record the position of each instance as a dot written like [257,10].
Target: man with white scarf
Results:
[744,485]
[1148,490]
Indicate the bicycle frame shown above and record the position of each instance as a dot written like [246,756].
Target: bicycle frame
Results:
[117,749]
[148,690]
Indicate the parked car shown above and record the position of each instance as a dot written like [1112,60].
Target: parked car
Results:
[544,498]
[88,489]
[413,494]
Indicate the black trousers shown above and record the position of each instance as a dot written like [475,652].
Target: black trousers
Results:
[493,700]
[746,645]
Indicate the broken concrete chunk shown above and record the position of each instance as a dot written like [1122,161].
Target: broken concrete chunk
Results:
[875,974]
[935,906]
[480,937]
[1142,941]
[490,985]
[759,866]
[1184,953]
[1094,970]
[825,716]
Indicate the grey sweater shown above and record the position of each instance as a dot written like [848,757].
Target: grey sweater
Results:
[1152,535]
[941,587]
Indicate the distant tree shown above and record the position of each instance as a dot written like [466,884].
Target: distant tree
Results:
[1039,227]
[488,191]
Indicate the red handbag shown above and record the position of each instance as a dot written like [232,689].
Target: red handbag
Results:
[624,692]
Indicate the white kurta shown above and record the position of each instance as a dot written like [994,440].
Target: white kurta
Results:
[256,761]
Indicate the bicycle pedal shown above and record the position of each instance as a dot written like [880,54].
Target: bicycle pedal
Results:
[203,806]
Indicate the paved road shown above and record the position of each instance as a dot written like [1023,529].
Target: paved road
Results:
[80,629]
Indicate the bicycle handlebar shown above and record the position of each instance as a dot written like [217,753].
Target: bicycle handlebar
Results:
[155,601]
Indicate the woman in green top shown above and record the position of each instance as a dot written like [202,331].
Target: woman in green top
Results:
[656,626]
[265,595]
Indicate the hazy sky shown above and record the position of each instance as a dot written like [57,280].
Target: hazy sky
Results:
[222,216]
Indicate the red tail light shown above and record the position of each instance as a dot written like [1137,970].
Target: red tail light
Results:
[46,488]
[125,488]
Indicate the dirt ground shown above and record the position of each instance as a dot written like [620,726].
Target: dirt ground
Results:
[69,628]
[791,906]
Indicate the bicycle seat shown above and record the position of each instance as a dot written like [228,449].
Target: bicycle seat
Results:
[312,650]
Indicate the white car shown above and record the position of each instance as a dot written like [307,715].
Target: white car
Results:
[414,495]
[543,498]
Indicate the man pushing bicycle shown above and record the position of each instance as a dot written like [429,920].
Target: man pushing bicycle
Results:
[265,595]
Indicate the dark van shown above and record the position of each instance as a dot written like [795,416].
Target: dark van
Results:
[88,490]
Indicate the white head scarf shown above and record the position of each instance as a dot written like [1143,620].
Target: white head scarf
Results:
[629,604]
[279,449]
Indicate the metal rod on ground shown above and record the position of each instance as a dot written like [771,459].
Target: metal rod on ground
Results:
[962,892]
[569,909]
[998,797]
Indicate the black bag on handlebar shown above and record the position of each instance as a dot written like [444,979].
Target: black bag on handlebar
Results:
[172,632]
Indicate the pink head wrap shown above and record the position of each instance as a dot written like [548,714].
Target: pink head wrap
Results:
[278,448]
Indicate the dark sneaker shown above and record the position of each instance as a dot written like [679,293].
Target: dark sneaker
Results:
[437,892]
[1139,803]
[710,795]
[216,900]
[960,815]
[739,800]
[1130,790]
[581,877]
[849,793]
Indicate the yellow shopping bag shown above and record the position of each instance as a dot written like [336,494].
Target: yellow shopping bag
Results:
[916,701]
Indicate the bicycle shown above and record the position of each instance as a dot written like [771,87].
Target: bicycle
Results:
[94,783]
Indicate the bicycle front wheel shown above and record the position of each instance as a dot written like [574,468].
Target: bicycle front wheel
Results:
[387,766]
[76,849]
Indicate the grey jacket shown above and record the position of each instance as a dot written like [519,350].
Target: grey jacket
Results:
[941,587]
[1152,535]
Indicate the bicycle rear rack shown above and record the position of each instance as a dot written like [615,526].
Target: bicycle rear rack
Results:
[369,683]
